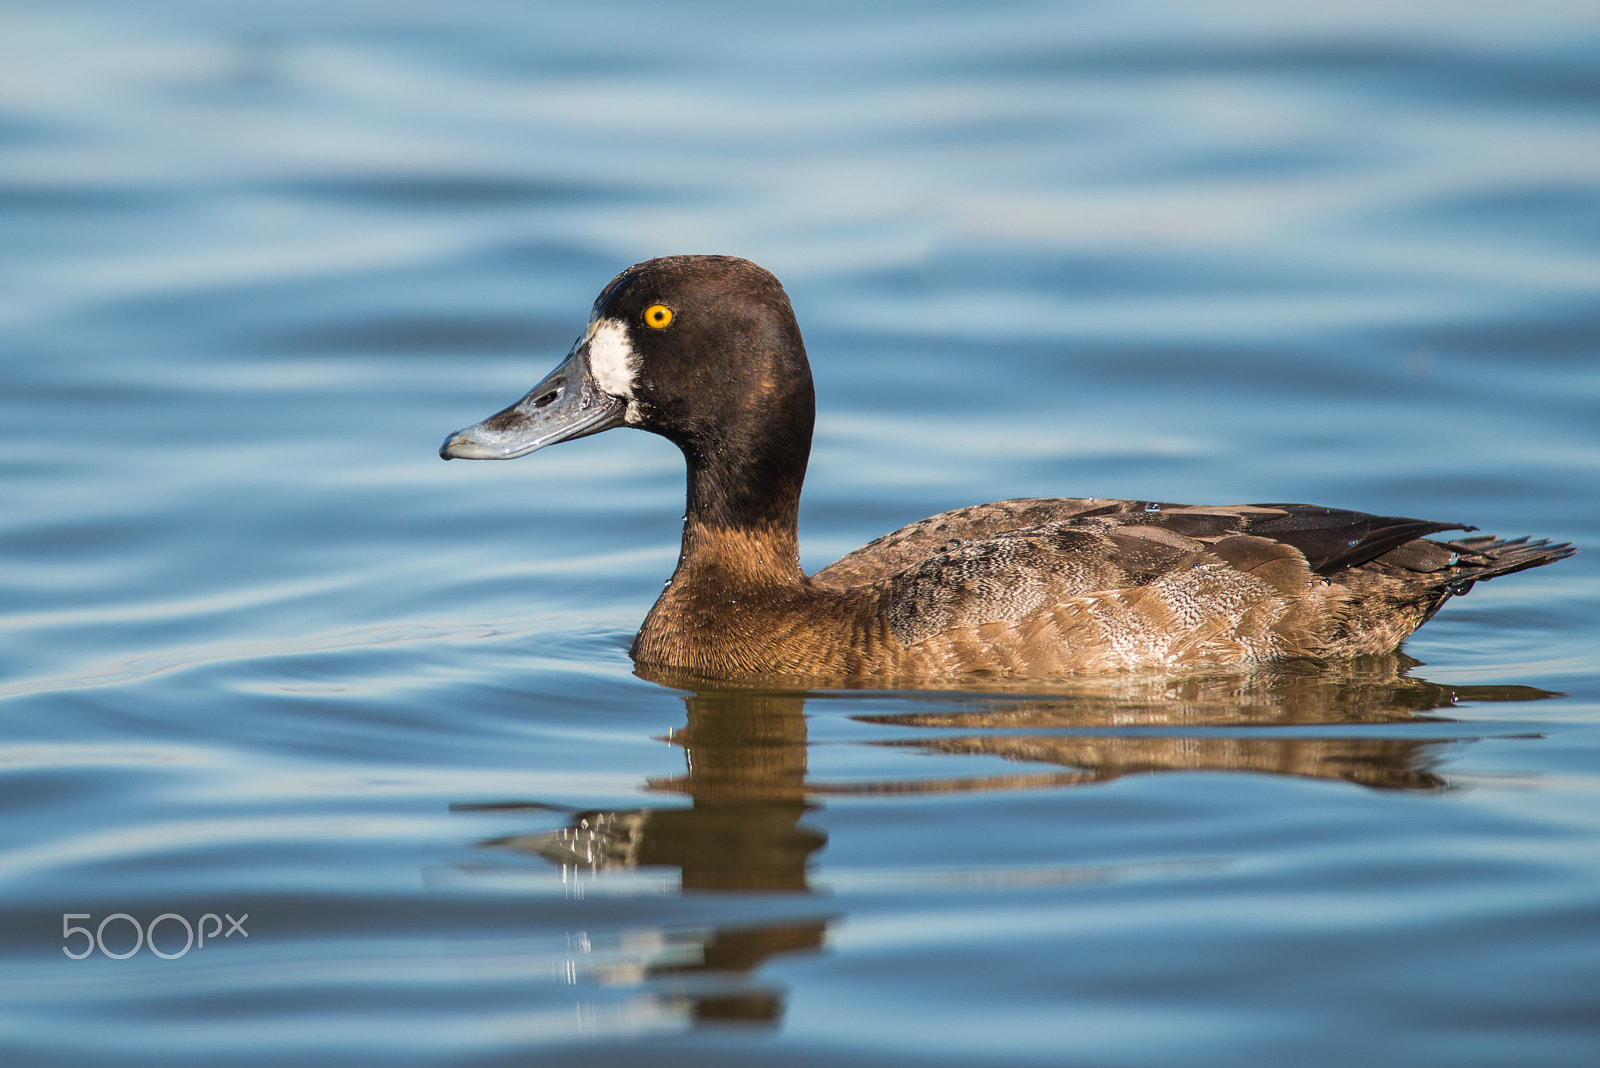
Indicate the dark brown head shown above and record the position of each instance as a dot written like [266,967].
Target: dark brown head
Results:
[703,350]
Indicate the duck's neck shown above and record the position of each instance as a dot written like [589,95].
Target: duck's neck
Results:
[741,526]
[740,560]
[746,468]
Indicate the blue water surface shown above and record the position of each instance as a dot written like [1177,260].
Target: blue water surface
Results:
[264,657]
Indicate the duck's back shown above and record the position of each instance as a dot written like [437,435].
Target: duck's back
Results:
[1043,586]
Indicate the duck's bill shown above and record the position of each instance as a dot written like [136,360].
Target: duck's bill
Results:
[566,405]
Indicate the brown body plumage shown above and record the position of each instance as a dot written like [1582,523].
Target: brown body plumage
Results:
[1034,587]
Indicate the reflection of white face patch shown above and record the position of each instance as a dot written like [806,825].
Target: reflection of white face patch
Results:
[611,359]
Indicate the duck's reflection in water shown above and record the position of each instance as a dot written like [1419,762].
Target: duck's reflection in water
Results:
[746,776]
[747,779]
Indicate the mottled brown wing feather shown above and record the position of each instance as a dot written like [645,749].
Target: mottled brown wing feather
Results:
[1331,539]
[910,545]
[1173,583]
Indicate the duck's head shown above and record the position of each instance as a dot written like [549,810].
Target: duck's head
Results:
[703,350]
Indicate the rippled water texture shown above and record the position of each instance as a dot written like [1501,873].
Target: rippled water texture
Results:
[265,659]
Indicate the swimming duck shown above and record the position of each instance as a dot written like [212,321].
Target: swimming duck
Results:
[706,352]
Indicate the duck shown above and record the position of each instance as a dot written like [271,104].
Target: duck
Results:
[705,351]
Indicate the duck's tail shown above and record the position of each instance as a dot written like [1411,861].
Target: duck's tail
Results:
[1489,557]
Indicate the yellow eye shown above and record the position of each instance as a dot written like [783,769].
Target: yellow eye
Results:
[657,316]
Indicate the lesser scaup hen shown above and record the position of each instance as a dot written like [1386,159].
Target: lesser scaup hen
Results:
[705,351]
